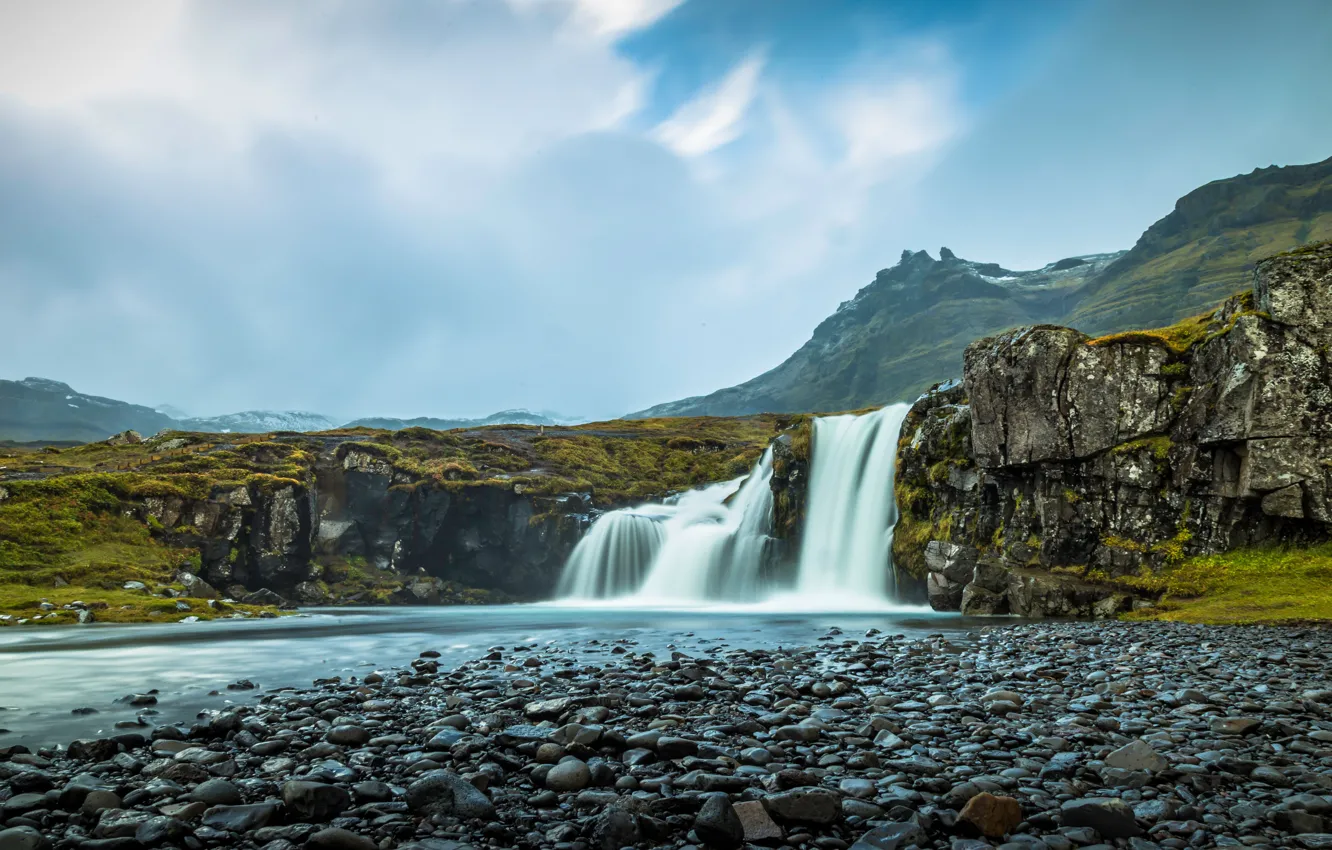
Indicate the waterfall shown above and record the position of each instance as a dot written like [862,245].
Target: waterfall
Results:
[711,544]
[847,545]
[705,544]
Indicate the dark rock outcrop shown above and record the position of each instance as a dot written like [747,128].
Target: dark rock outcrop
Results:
[424,535]
[1060,458]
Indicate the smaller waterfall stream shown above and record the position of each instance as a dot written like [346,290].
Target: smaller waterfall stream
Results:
[705,544]
[714,549]
[613,558]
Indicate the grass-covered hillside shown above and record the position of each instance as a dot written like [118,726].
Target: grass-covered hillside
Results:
[1207,247]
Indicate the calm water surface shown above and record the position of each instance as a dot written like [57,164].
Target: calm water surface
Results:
[45,673]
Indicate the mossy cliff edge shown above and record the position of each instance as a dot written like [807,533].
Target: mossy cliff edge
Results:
[1067,475]
[354,516]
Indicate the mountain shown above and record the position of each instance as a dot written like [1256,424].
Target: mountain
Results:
[907,329]
[259,422]
[42,409]
[504,417]
[902,333]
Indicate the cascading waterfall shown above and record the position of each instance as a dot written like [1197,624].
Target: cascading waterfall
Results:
[714,550]
[711,544]
[703,544]
[613,558]
[846,549]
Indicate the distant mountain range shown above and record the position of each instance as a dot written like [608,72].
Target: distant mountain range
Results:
[259,421]
[504,417]
[907,329]
[40,409]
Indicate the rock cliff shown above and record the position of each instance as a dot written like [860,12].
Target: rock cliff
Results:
[1064,469]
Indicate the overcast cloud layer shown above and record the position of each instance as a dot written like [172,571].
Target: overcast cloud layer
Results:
[402,208]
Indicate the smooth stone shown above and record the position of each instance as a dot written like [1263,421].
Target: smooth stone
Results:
[1137,755]
[803,805]
[1234,725]
[443,792]
[22,838]
[216,792]
[892,837]
[314,801]
[244,818]
[1109,816]
[992,816]
[568,775]
[718,824]
[759,827]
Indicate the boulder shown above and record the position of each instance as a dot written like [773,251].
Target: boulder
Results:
[443,792]
[718,824]
[263,596]
[990,815]
[314,801]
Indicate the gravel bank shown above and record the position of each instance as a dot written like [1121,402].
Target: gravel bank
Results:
[1050,735]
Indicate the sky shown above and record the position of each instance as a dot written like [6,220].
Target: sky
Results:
[397,208]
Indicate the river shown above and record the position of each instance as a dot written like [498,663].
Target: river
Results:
[48,673]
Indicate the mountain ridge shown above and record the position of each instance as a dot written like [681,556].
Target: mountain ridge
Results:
[907,329]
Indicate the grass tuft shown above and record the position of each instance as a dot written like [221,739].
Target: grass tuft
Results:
[1244,586]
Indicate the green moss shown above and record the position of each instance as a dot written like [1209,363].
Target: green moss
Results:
[1159,446]
[22,601]
[1123,543]
[1244,586]
[909,538]
[1179,337]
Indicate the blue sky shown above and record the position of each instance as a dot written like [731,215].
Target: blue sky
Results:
[449,208]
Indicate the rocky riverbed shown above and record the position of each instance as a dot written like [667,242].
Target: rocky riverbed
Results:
[1047,735]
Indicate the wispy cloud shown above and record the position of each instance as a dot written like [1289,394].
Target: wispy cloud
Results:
[615,18]
[715,117]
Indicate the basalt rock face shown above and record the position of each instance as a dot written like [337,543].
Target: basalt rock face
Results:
[362,511]
[490,537]
[1060,458]
[790,488]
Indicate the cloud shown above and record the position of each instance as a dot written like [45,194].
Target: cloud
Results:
[615,18]
[715,117]
[902,118]
[402,208]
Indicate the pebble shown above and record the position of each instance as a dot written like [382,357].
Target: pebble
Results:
[1049,736]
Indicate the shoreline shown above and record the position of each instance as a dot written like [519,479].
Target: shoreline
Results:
[1164,732]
